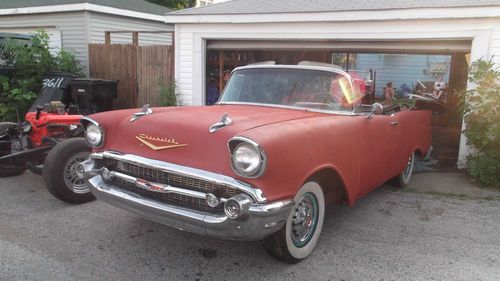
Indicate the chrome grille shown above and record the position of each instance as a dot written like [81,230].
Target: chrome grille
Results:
[176,199]
[158,176]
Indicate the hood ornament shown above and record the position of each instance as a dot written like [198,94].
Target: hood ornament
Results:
[146,110]
[223,122]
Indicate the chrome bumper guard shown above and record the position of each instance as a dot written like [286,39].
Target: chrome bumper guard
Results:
[262,219]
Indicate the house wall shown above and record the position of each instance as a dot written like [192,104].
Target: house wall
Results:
[191,41]
[71,26]
[78,29]
[99,23]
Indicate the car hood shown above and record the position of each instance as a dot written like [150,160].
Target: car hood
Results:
[181,134]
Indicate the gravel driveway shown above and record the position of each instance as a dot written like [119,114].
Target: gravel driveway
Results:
[388,235]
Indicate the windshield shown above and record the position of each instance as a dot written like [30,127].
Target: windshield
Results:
[292,87]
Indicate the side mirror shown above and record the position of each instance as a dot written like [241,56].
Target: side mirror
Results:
[377,109]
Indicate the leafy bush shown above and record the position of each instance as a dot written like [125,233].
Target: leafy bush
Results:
[175,4]
[29,63]
[481,111]
[168,97]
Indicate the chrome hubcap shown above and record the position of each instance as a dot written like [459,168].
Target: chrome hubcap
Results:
[73,175]
[304,219]
[408,168]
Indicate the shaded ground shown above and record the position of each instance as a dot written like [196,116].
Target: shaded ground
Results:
[388,235]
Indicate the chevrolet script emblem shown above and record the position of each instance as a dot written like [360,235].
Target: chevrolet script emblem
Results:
[153,142]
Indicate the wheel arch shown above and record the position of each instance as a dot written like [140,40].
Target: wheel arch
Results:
[333,185]
[419,152]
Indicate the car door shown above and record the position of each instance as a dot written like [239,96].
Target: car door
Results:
[378,148]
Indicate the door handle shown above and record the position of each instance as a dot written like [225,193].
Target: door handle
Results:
[394,123]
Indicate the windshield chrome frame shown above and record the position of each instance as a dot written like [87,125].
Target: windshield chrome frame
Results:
[347,113]
[353,112]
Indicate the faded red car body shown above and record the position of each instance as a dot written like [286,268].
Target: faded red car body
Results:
[363,152]
[282,142]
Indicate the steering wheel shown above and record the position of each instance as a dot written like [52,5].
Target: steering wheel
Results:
[325,97]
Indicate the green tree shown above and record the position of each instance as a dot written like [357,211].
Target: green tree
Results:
[481,111]
[29,63]
[175,4]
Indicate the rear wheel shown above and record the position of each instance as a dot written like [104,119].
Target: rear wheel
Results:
[297,239]
[35,168]
[404,178]
[61,175]
[9,169]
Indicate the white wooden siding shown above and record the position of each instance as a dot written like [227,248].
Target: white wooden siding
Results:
[99,23]
[495,43]
[71,25]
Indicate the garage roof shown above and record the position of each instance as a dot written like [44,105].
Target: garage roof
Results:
[301,6]
[132,5]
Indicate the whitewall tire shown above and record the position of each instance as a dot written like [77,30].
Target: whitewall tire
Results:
[404,178]
[297,239]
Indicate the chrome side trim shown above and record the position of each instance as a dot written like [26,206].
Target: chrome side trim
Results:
[256,194]
[263,156]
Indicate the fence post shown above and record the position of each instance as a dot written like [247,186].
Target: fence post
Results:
[135,38]
[107,37]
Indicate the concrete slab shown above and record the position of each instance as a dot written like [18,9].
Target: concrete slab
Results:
[451,183]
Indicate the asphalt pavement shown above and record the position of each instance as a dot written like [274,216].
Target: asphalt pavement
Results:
[388,235]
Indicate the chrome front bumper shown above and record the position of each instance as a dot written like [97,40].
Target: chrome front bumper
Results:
[263,219]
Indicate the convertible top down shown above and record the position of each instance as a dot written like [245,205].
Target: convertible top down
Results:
[282,142]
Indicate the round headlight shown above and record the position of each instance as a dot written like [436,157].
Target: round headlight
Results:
[94,135]
[247,159]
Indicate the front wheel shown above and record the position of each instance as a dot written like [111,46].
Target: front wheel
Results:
[60,171]
[297,239]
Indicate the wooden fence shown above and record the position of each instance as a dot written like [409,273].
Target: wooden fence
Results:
[139,69]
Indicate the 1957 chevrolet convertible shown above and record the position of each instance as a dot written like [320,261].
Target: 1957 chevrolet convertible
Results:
[282,142]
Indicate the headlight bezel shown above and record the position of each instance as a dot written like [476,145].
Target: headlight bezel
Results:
[233,144]
[87,122]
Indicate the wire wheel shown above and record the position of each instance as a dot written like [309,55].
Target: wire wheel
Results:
[73,177]
[409,169]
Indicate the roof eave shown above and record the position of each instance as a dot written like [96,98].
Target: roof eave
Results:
[365,15]
[81,7]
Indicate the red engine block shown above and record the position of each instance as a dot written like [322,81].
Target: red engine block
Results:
[49,125]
